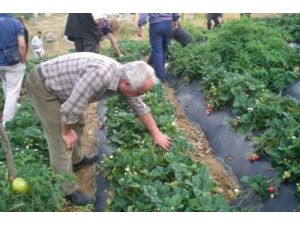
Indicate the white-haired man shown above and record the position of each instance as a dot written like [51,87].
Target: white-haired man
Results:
[60,90]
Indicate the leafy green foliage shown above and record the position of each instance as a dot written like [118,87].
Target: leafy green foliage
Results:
[199,34]
[261,185]
[289,23]
[132,50]
[31,158]
[192,61]
[32,163]
[254,64]
[43,195]
[25,133]
[247,47]
[145,178]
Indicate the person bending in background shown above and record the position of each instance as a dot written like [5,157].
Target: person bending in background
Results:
[180,35]
[160,31]
[216,17]
[106,29]
[82,30]
[12,69]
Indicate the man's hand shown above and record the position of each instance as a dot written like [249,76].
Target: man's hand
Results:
[162,140]
[70,139]
[69,136]
[175,25]
[139,31]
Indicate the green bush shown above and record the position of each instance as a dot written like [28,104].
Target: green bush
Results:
[248,47]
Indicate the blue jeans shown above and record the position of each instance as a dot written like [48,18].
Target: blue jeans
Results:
[160,35]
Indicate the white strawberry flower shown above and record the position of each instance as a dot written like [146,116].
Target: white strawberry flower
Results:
[250,109]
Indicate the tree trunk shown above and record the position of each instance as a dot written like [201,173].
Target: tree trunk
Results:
[8,154]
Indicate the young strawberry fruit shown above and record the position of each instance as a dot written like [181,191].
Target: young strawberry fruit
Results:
[207,112]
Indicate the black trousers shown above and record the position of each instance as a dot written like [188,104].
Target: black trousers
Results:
[182,36]
[84,45]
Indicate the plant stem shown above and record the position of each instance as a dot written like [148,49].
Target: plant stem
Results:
[8,154]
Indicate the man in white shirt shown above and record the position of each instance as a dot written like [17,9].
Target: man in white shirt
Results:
[37,45]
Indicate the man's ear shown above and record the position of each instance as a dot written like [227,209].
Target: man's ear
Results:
[125,83]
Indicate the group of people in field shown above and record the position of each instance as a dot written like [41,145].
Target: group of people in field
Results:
[61,88]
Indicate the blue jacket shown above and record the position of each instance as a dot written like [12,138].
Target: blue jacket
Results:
[10,30]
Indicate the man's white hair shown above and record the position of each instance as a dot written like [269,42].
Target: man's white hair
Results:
[136,73]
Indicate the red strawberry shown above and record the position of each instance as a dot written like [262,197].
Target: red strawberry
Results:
[250,158]
[271,189]
[255,157]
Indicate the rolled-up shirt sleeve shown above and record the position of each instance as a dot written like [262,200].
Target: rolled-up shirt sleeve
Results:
[143,19]
[139,108]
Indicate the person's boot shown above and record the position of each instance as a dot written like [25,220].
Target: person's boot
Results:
[79,198]
[87,160]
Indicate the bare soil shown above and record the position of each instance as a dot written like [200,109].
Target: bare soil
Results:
[202,151]
[86,176]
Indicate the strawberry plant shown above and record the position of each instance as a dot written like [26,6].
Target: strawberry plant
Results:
[42,195]
[192,61]
[261,185]
[132,50]
[145,178]
[25,133]
[248,47]
[252,65]
[199,34]
[288,24]
[32,164]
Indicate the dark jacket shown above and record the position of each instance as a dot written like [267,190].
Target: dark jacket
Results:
[81,25]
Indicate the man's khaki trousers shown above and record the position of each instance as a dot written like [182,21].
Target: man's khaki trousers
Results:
[47,107]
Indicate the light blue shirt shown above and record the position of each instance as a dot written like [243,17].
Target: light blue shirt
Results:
[156,17]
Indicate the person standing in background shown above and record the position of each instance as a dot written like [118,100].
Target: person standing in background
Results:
[82,30]
[12,62]
[37,45]
[160,31]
